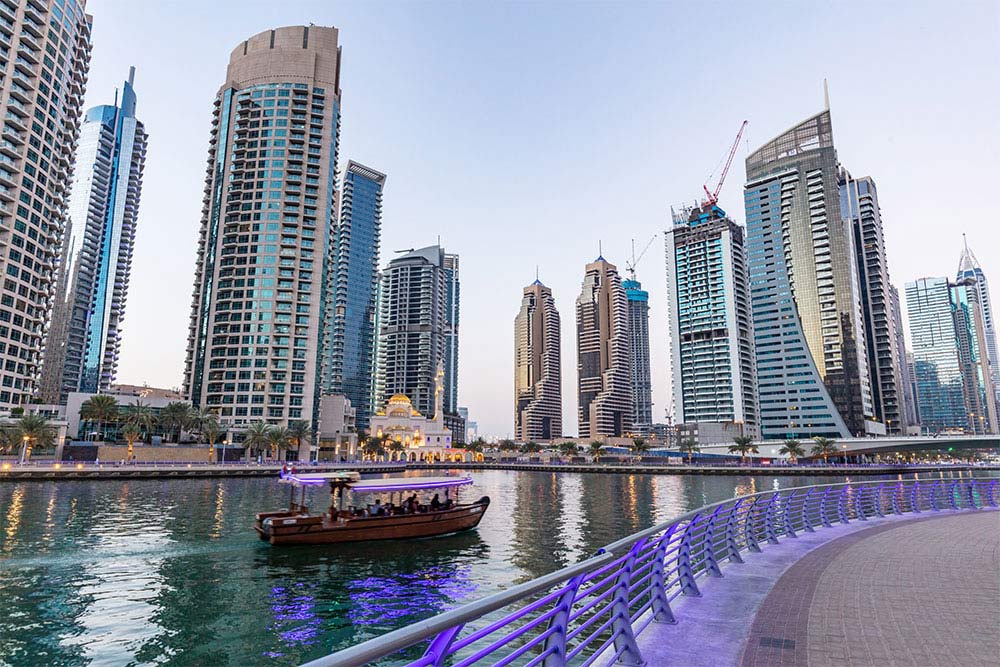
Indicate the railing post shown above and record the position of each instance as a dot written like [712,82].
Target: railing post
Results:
[991,494]
[685,573]
[914,498]
[878,501]
[748,527]
[953,496]
[438,649]
[972,495]
[786,514]
[732,547]
[934,504]
[842,505]
[556,642]
[769,532]
[708,546]
[822,509]
[859,507]
[660,606]
[806,521]
[621,623]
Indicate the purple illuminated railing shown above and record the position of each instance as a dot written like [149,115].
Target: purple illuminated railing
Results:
[592,611]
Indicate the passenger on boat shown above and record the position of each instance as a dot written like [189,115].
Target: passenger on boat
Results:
[435,503]
[379,510]
[411,506]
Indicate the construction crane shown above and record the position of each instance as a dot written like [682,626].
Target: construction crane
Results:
[713,197]
[630,266]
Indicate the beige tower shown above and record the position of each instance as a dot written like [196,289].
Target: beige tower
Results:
[537,370]
[259,314]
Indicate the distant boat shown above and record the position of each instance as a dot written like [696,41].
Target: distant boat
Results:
[409,518]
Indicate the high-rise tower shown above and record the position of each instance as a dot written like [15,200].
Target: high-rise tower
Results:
[265,278]
[604,364]
[349,352]
[968,267]
[909,401]
[452,291]
[805,294]
[638,332]
[712,345]
[537,366]
[82,354]
[45,54]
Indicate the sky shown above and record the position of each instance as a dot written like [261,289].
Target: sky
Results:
[526,134]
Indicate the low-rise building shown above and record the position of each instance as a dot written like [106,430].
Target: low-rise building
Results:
[338,435]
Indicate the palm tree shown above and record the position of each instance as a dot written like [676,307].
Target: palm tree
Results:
[131,433]
[396,447]
[279,438]
[175,417]
[32,431]
[568,449]
[299,431]
[99,408]
[211,429]
[823,447]
[595,449]
[476,446]
[256,437]
[531,448]
[744,445]
[507,446]
[689,446]
[140,415]
[793,449]
[374,446]
[640,446]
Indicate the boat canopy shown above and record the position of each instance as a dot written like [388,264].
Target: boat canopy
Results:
[353,481]
[317,478]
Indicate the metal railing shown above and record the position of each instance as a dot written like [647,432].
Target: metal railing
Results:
[593,610]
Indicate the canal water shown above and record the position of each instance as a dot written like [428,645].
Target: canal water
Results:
[171,572]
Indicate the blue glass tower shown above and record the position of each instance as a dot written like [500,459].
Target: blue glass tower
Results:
[348,367]
[97,251]
[638,327]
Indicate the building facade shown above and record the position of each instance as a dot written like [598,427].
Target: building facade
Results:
[45,53]
[96,261]
[453,293]
[604,362]
[264,277]
[859,202]
[909,398]
[537,366]
[638,331]
[351,345]
[968,267]
[412,321]
[812,362]
[711,333]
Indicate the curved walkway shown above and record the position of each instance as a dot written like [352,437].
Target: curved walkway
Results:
[917,591]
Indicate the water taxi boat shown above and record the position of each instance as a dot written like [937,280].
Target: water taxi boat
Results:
[397,519]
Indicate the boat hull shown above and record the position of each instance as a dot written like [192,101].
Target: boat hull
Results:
[283,528]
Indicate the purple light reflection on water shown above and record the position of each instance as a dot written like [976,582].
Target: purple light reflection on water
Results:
[294,606]
[425,592]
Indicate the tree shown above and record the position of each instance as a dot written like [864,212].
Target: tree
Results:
[823,447]
[793,449]
[476,446]
[175,417]
[299,431]
[278,437]
[595,449]
[640,446]
[396,447]
[211,429]
[568,449]
[374,446]
[507,446]
[131,433]
[99,408]
[256,437]
[531,448]
[744,445]
[689,446]
[140,415]
[32,431]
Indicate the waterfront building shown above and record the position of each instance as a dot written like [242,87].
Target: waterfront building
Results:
[537,366]
[604,366]
[909,398]
[812,365]
[954,390]
[41,99]
[421,438]
[411,327]
[337,433]
[711,333]
[638,331]
[968,267]
[859,203]
[264,278]
[452,294]
[911,370]
[350,348]
[96,259]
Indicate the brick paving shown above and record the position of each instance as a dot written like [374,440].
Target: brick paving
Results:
[921,593]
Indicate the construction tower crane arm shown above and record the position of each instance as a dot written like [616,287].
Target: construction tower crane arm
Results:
[713,197]
[630,266]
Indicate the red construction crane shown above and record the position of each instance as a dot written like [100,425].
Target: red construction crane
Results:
[713,197]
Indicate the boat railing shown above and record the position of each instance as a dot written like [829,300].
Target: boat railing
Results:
[594,610]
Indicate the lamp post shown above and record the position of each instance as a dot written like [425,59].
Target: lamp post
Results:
[25,449]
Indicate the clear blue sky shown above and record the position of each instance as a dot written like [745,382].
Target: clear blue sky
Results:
[525,133]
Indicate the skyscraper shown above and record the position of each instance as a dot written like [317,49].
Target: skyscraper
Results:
[638,332]
[909,401]
[452,289]
[412,321]
[712,345]
[265,278]
[954,391]
[348,366]
[85,336]
[41,96]
[968,267]
[604,365]
[537,366]
[805,294]
[859,203]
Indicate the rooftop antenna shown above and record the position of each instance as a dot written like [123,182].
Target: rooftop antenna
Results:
[600,249]
[826,94]
[536,272]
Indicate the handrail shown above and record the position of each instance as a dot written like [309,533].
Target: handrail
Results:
[598,606]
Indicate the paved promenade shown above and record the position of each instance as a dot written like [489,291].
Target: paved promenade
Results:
[917,591]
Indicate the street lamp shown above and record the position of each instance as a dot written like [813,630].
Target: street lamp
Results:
[25,449]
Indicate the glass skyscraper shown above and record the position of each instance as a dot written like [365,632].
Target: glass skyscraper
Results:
[638,331]
[453,293]
[348,367]
[265,273]
[85,337]
[805,294]
[968,267]
[537,366]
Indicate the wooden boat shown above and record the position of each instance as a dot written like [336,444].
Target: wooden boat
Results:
[343,523]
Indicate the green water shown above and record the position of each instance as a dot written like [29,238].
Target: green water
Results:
[172,573]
